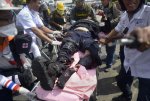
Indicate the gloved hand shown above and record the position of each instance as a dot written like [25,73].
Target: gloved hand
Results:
[56,43]
[26,92]
[72,22]
[57,33]
[51,36]
[61,27]
[26,65]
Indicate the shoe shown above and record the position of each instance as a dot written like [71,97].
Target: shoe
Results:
[40,71]
[107,68]
[65,77]
[122,97]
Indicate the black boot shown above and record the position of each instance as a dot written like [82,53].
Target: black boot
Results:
[65,77]
[40,71]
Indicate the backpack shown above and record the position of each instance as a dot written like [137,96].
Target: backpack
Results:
[23,43]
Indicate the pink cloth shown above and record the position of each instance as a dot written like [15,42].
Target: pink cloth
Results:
[80,85]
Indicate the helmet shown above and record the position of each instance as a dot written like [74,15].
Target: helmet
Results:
[79,0]
[60,6]
[7,5]
[23,1]
[123,6]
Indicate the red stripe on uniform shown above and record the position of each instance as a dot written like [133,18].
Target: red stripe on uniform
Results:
[16,88]
[7,83]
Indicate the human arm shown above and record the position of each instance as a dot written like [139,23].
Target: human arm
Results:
[109,37]
[93,15]
[5,82]
[41,34]
[116,16]
[72,14]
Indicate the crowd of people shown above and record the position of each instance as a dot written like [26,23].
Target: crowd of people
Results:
[20,28]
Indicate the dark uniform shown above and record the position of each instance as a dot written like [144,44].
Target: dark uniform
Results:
[83,13]
[56,20]
[75,40]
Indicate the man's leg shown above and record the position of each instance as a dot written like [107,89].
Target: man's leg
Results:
[35,50]
[124,82]
[110,50]
[144,90]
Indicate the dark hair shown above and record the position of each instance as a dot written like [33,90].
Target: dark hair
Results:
[124,8]
[28,1]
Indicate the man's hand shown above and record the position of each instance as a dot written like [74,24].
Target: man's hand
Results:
[103,41]
[61,27]
[56,43]
[143,37]
[102,38]
[57,34]
[26,92]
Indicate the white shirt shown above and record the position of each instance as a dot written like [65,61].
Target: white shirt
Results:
[138,62]
[27,19]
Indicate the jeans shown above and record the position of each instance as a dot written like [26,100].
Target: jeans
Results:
[110,50]
[144,90]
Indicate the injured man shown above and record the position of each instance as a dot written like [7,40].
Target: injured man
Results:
[82,36]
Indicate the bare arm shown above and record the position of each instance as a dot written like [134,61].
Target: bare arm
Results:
[109,37]
[46,30]
[41,34]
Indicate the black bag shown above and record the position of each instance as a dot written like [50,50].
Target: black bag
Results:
[23,43]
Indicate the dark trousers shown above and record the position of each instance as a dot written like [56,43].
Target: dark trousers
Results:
[6,95]
[124,79]
[110,50]
[124,82]
[144,90]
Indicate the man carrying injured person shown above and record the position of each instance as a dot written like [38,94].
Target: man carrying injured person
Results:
[80,37]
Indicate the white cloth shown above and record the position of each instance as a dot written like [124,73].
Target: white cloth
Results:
[27,19]
[5,57]
[56,43]
[138,62]
[8,30]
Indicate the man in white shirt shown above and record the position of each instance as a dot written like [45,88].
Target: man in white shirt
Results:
[29,21]
[136,20]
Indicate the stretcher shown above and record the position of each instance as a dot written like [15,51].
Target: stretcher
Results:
[79,87]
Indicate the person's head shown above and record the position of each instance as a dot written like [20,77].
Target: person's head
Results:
[79,3]
[105,2]
[6,12]
[131,5]
[34,4]
[60,8]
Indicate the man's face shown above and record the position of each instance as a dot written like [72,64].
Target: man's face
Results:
[105,2]
[131,5]
[37,4]
[79,4]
